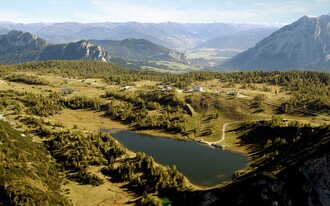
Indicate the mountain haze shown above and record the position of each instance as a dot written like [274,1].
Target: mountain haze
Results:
[304,44]
[177,36]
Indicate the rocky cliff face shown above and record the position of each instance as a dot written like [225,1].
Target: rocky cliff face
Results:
[302,44]
[75,51]
[17,46]
[17,40]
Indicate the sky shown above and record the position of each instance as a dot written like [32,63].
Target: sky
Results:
[155,11]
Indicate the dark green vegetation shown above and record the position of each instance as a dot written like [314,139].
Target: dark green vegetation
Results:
[278,151]
[28,176]
[74,152]
[134,108]
[27,79]
[309,90]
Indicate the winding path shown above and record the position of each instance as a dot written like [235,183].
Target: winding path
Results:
[223,133]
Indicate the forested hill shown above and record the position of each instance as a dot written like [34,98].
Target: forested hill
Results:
[141,50]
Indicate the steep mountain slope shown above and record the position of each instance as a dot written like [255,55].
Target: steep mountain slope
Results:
[17,46]
[28,175]
[304,44]
[141,50]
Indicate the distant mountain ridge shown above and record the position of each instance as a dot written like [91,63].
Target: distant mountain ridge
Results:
[18,46]
[141,50]
[177,36]
[304,44]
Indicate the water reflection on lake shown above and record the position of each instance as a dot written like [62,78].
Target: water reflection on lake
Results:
[201,164]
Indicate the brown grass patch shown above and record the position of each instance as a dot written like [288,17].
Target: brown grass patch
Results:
[85,120]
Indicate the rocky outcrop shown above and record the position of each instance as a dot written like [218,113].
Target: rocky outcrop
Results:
[17,46]
[18,40]
[75,51]
[179,57]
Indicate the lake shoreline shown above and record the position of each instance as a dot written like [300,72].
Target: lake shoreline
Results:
[171,151]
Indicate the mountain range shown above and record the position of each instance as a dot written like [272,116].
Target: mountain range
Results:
[304,44]
[176,36]
[17,46]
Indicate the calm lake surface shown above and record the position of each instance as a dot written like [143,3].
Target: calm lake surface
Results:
[201,164]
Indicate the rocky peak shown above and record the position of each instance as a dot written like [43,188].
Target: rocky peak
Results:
[304,43]
[18,46]
[16,40]
[88,50]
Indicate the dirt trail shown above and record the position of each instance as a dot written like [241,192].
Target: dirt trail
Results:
[223,133]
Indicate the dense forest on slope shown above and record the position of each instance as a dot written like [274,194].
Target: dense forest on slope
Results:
[74,151]
[29,176]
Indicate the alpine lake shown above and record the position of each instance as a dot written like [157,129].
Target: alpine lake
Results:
[201,164]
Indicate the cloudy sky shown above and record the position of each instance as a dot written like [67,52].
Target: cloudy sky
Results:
[186,11]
